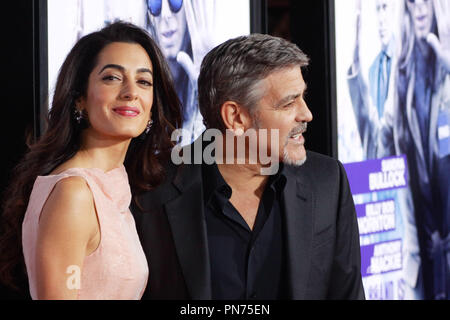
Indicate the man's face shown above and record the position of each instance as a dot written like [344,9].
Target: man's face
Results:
[422,14]
[283,107]
[385,17]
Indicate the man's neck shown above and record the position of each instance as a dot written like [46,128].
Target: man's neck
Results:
[244,178]
[387,48]
[247,185]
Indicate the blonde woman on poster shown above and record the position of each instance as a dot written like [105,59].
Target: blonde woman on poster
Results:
[183,30]
[420,122]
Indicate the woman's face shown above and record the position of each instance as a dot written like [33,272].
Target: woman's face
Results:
[170,26]
[119,96]
[422,15]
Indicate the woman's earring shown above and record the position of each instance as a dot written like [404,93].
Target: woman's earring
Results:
[78,115]
[149,126]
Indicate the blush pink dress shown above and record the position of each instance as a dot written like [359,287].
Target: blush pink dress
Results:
[117,269]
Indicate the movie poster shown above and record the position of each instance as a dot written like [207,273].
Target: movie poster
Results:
[184,29]
[393,110]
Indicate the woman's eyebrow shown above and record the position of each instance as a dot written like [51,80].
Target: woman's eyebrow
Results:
[122,69]
[113,66]
[142,70]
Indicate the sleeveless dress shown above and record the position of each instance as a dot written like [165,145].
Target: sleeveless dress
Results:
[117,269]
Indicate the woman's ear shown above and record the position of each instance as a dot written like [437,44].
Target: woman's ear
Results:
[235,117]
[79,104]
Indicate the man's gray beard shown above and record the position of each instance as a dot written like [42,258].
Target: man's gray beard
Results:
[287,160]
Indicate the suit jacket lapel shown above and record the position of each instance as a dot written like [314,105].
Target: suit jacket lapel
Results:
[298,203]
[186,218]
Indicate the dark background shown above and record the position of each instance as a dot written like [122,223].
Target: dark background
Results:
[306,23]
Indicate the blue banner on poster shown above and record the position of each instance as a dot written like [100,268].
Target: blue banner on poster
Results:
[381,258]
[376,217]
[380,189]
[377,175]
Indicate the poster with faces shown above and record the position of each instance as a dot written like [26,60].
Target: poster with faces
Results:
[186,28]
[392,80]
[364,30]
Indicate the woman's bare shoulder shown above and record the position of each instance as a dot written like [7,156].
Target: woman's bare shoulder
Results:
[70,204]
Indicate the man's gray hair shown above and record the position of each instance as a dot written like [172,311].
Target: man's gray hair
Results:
[234,70]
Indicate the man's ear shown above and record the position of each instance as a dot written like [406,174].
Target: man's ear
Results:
[235,117]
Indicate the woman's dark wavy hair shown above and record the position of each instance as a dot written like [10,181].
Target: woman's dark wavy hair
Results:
[146,155]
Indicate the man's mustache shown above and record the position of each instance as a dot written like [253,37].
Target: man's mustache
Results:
[299,129]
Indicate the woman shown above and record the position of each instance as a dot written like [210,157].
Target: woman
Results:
[113,112]
[422,107]
[184,42]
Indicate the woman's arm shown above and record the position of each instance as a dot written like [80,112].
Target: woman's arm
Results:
[68,231]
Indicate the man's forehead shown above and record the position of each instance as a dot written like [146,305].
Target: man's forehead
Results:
[383,2]
[283,83]
[286,78]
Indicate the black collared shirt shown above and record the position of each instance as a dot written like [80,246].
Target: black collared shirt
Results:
[245,263]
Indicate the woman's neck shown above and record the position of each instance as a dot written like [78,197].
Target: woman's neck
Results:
[175,68]
[424,50]
[102,153]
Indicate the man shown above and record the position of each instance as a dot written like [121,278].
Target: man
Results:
[380,70]
[227,231]
[380,89]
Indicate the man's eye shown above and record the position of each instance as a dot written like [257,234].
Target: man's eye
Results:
[290,104]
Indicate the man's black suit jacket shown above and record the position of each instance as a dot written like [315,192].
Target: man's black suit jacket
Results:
[322,239]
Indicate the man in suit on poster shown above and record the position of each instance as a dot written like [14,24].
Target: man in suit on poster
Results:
[233,229]
[381,83]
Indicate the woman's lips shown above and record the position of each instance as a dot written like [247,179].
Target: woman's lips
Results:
[127,111]
[168,34]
